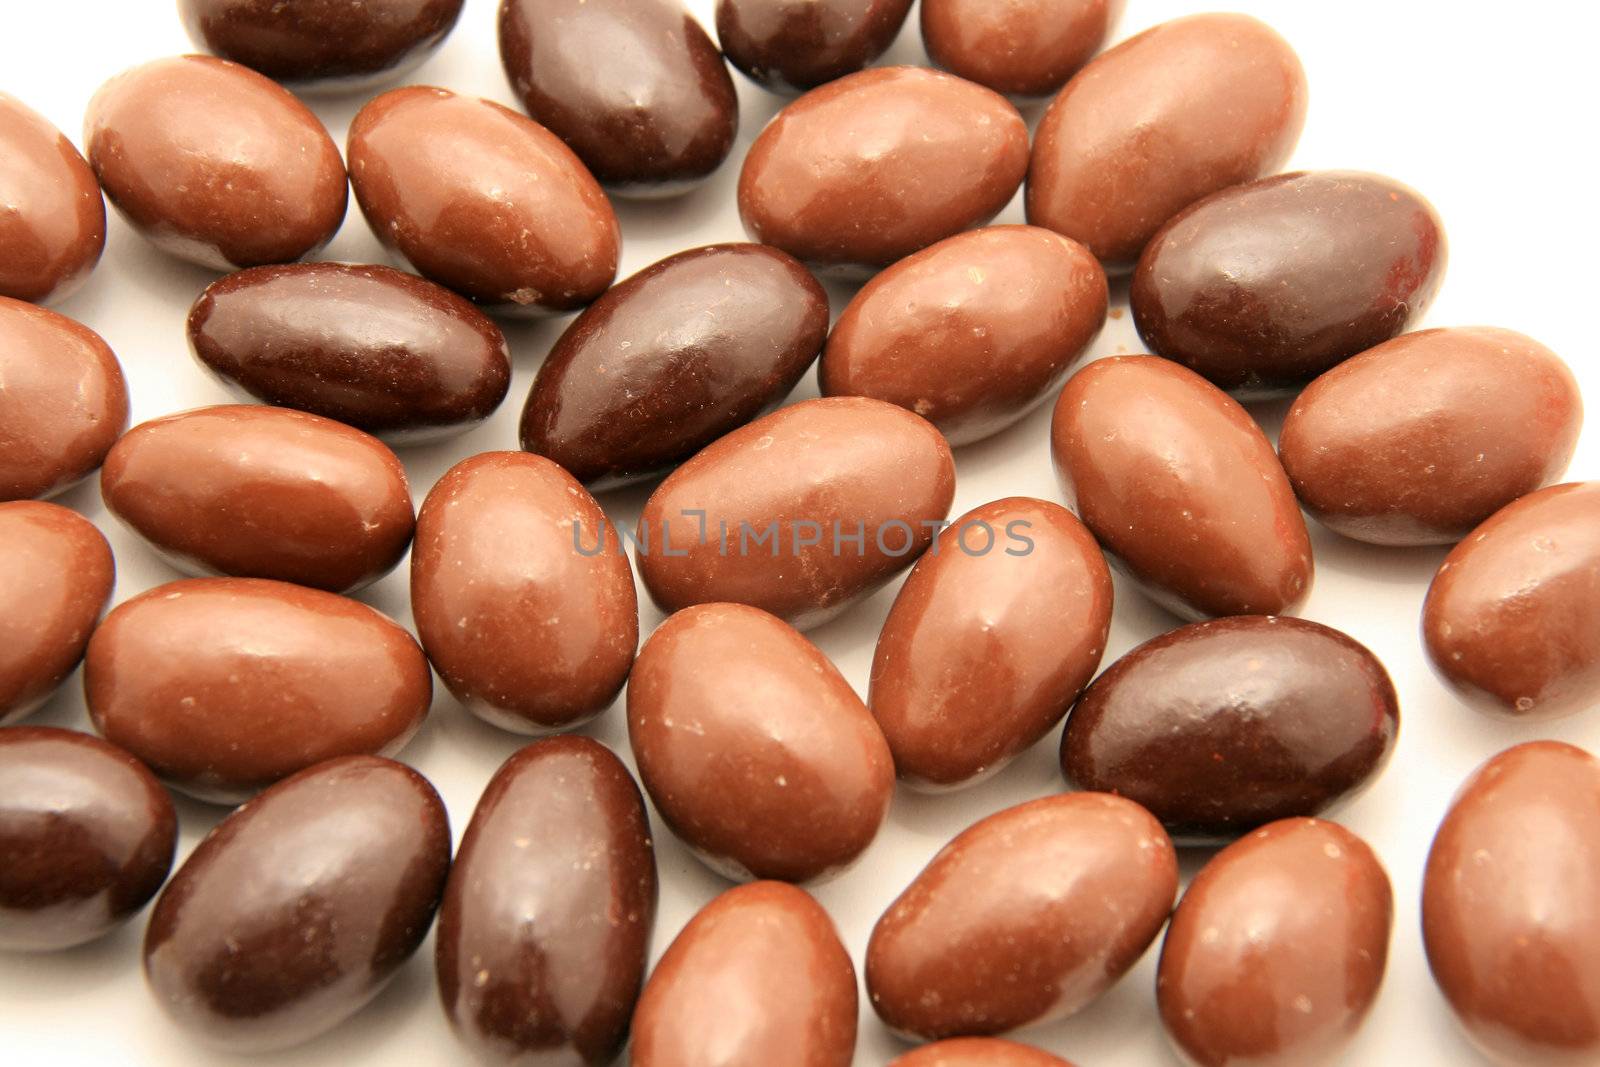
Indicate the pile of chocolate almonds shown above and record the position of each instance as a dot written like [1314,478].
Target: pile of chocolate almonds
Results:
[1218,753]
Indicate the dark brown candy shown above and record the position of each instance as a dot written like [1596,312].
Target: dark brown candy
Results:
[992,637]
[226,685]
[299,907]
[522,594]
[86,838]
[56,577]
[1219,727]
[757,977]
[322,44]
[753,746]
[795,45]
[673,358]
[1023,48]
[801,513]
[1182,488]
[1262,287]
[880,164]
[635,87]
[259,492]
[63,405]
[1420,439]
[973,332]
[545,927]
[1512,619]
[1277,950]
[53,228]
[482,200]
[1009,925]
[215,163]
[373,347]
[1510,919]
[1178,112]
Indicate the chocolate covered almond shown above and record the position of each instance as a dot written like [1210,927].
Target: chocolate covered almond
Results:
[54,226]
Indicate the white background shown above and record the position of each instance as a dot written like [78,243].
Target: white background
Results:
[1480,106]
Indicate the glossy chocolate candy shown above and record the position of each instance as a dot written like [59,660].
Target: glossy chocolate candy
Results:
[330,45]
[53,228]
[482,200]
[992,637]
[1420,439]
[753,746]
[1221,726]
[522,594]
[1277,950]
[794,45]
[86,837]
[1262,287]
[1182,488]
[971,333]
[299,907]
[1169,116]
[63,401]
[1512,619]
[757,977]
[1008,925]
[545,927]
[877,165]
[376,348]
[673,358]
[259,492]
[1024,48]
[215,163]
[226,685]
[56,577]
[801,513]
[977,1052]
[1510,920]
[635,87]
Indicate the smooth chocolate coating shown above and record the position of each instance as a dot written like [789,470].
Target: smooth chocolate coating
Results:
[56,577]
[522,593]
[790,46]
[53,228]
[880,164]
[977,1052]
[545,927]
[322,44]
[1420,439]
[226,685]
[1263,287]
[971,333]
[753,746]
[1220,727]
[1169,116]
[216,164]
[379,349]
[86,838]
[1182,488]
[673,358]
[757,977]
[992,637]
[800,513]
[259,492]
[63,401]
[1277,950]
[1512,619]
[1009,925]
[635,87]
[1510,919]
[1026,49]
[298,908]
[482,200]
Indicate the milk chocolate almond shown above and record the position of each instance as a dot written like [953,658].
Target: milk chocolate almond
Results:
[794,45]
[53,228]
[226,685]
[977,1052]
[1023,48]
